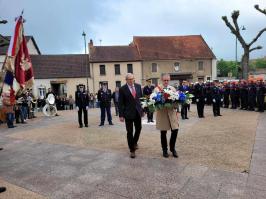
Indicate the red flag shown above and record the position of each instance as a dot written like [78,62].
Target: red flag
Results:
[18,62]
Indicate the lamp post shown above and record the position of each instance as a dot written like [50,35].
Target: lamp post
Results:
[3,21]
[86,62]
[241,28]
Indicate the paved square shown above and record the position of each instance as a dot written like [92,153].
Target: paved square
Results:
[53,158]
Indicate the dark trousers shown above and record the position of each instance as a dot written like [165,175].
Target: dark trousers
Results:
[260,100]
[244,102]
[216,108]
[184,109]
[172,140]
[149,115]
[251,103]
[132,139]
[106,109]
[200,108]
[85,114]
[9,120]
[226,101]
[71,106]
[116,108]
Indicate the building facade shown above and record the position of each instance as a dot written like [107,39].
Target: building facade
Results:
[110,64]
[61,73]
[183,57]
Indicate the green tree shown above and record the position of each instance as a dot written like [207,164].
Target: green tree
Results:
[226,67]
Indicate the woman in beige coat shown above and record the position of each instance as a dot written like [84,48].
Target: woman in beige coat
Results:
[167,119]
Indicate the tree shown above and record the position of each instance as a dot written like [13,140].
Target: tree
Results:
[226,67]
[246,46]
[260,10]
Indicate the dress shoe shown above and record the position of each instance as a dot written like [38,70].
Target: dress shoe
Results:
[2,189]
[219,115]
[86,125]
[136,146]
[186,118]
[111,123]
[152,121]
[101,124]
[165,154]
[80,126]
[11,127]
[1,148]
[174,153]
[132,154]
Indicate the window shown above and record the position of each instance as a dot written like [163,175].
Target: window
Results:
[154,67]
[118,84]
[176,66]
[42,92]
[154,81]
[117,69]
[200,65]
[102,70]
[129,68]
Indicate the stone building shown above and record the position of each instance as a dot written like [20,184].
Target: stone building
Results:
[110,64]
[184,57]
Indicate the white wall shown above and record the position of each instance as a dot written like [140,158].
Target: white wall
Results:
[214,69]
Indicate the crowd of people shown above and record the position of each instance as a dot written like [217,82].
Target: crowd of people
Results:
[21,111]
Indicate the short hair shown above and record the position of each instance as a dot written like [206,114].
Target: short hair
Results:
[165,75]
[129,74]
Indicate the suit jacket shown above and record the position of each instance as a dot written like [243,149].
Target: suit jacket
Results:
[82,99]
[128,104]
[104,98]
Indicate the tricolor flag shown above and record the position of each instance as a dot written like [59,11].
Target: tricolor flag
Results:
[18,66]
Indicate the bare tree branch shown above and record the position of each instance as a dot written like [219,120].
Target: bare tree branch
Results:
[256,38]
[234,31]
[256,48]
[260,10]
[235,15]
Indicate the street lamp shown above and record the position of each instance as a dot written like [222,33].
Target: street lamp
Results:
[241,28]
[84,35]
[3,21]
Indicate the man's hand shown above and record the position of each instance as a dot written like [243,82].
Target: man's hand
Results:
[121,119]
[214,100]
[197,100]
[87,107]
[77,108]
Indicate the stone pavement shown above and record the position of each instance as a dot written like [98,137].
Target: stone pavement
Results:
[56,170]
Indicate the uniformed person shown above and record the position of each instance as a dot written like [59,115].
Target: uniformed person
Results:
[252,90]
[260,96]
[226,94]
[82,105]
[104,97]
[184,107]
[233,96]
[216,98]
[244,95]
[200,96]
[147,91]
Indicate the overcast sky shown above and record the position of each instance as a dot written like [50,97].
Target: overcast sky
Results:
[57,25]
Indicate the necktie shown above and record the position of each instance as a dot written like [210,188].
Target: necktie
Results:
[133,91]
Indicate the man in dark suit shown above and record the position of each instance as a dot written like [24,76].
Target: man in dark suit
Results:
[216,98]
[130,111]
[104,97]
[200,95]
[147,91]
[82,104]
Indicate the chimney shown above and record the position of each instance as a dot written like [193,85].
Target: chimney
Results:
[91,43]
